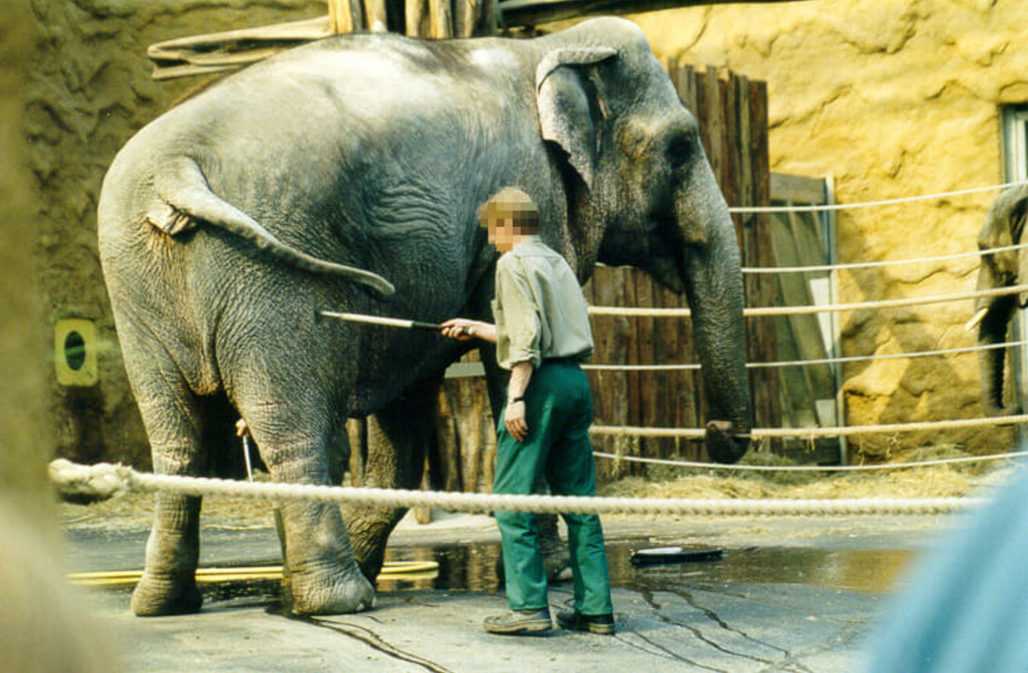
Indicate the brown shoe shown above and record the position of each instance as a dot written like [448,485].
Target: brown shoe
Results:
[517,622]
[574,620]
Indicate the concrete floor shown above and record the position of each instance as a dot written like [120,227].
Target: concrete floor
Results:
[789,595]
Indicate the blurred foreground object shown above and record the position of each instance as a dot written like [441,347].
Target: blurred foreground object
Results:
[41,628]
[964,610]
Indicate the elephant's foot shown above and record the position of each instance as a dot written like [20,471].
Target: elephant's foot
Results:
[163,596]
[329,592]
[369,530]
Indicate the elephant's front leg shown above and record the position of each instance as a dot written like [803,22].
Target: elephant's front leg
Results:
[322,575]
[397,439]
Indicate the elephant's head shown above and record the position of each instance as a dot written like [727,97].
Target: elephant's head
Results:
[642,193]
[1003,227]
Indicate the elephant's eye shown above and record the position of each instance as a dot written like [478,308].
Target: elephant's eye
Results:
[679,151]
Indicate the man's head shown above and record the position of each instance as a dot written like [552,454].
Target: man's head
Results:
[509,216]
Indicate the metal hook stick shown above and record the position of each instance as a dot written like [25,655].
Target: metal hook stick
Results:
[243,432]
[246,457]
[386,322]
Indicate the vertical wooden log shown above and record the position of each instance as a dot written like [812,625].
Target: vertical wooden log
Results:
[417,19]
[442,19]
[761,196]
[489,23]
[357,433]
[376,14]
[644,347]
[687,386]
[345,16]
[714,122]
[339,16]
[465,14]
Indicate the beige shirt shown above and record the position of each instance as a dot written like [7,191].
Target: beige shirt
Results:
[539,309]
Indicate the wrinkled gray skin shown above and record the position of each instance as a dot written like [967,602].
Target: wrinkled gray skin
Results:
[373,153]
[1003,226]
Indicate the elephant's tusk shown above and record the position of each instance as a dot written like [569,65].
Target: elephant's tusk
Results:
[976,319]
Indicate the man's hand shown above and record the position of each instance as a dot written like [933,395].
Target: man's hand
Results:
[514,420]
[460,329]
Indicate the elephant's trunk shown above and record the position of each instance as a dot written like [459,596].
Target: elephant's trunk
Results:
[993,330]
[713,280]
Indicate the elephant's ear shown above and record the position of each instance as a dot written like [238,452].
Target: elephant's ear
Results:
[565,111]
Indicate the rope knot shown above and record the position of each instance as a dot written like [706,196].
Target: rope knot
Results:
[93,482]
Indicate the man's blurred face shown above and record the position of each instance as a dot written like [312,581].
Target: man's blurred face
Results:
[502,232]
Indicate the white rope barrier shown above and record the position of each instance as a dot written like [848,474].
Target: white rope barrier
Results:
[882,263]
[812,468]
[124,479]
[911,355]
[764,311]
[872,204]
[814,433]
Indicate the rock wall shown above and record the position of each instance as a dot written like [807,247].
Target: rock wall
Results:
[90,91]
[891,99]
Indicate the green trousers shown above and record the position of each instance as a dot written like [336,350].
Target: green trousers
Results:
[558,411]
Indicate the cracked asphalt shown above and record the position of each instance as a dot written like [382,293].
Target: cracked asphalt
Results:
[796,595]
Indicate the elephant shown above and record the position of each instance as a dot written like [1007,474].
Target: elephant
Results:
[346,174]
[1003,226]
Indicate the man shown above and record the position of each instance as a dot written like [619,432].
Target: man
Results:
[541,334]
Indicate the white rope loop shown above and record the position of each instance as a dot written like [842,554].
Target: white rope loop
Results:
[873,204]
[764,311]
[884,262]
[811,468]
[910,355]
[62,472]
[814,433]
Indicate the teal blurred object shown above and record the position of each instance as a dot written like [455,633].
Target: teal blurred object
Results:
[966,608]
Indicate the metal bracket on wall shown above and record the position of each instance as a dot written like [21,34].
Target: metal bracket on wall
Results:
[75,346]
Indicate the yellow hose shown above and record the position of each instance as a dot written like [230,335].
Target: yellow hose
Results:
[392,570]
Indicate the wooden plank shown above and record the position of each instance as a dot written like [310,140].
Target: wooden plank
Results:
[731,183]
[797,188]
[442,19]
[357,434]
[629,298]
[714,122]
[293,31]
[537,12]
[489,23]
[645,354]
[339,16]
[377,16]
[767,293]
[416,19]
[464,17]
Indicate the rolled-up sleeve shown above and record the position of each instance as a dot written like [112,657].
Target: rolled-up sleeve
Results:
[518,330]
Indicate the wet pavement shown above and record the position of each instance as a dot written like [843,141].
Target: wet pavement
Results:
[787,595]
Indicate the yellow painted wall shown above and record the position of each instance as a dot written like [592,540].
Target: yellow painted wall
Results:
[892,98]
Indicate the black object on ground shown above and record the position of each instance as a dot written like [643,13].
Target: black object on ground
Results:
[657,555]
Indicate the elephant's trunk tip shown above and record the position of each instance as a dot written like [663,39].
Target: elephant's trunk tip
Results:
[725,442]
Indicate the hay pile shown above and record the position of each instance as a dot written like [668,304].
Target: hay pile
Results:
[918,482]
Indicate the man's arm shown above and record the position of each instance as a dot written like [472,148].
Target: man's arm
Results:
[514,417]
[462,329]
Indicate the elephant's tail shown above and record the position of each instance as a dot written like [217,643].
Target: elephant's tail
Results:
[185,191]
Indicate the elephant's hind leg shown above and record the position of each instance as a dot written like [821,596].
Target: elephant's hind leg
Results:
[397,439]
[174,426]
[295,439]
